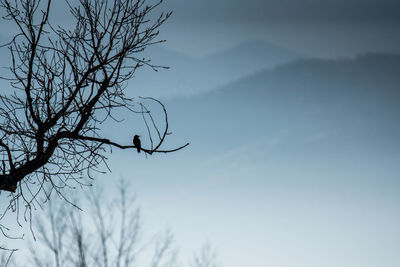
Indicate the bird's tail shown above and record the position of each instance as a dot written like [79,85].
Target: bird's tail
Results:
[138,149]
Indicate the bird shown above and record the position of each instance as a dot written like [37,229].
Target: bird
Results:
[136,142]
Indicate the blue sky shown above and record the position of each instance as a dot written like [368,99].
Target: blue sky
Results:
[304,189]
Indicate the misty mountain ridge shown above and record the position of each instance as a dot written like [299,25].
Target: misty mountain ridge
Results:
[252,56]
[353,101]
[373,71]
[188,76]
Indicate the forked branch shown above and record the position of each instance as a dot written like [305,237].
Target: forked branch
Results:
[67,81]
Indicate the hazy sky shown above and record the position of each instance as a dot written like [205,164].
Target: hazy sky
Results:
[320,28]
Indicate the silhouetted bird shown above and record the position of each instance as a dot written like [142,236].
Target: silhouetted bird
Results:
[136,143]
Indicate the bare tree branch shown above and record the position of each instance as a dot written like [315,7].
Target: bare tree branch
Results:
[6,257]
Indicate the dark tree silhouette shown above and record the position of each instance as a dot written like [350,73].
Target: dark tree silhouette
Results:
[66,83]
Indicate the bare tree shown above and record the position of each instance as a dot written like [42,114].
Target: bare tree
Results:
[66,83]
[107,233]
[206,258]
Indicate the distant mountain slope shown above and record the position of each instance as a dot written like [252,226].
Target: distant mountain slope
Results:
[257,53]
[246,59]
[188,76]
[354,103]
